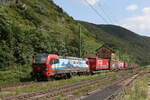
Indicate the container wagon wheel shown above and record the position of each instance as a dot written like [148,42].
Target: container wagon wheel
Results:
[45,78]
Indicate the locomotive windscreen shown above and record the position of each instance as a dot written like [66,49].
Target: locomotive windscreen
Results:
[40,59]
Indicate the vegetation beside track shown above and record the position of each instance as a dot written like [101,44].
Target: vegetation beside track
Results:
[15,75]
[93,87]
[53,84]
[139,91]
[87,89]
[29,27]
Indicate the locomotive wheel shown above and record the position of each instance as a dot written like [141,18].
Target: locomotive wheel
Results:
[68,75]
[45,78]
[41,78]
[33,77]
[38,78]
[65,76]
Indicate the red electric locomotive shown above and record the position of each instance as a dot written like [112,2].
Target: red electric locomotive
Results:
[51,65]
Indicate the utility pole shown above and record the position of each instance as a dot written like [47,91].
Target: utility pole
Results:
[80,51]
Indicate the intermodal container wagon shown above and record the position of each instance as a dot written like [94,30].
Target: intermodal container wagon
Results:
[96,64]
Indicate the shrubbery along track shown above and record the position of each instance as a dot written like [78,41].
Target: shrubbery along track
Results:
[54,92]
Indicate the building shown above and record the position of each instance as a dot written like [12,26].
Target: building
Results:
[105,52]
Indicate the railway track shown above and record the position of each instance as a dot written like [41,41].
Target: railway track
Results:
[119,87]
[24,84]
[20,85]
[111,91]
[54,92]
[122,85]
[126,84]
[9,86]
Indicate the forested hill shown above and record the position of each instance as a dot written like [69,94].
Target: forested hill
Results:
[127,42]
[28,27]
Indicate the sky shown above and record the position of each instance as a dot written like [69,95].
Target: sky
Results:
[131,14]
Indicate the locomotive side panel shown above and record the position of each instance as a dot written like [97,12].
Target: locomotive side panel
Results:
[70,65]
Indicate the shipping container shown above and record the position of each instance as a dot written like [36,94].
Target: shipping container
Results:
[96,64]
[121,65]
[113,65]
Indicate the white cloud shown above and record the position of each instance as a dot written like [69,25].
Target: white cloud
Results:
[140,23]
[132,7]
[146,10]
[92,2]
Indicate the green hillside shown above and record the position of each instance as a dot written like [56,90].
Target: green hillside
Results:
[28,27]
[133,46]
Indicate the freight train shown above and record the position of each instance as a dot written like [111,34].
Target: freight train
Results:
[49,66]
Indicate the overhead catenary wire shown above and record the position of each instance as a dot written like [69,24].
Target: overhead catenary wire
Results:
[97,12]
[108,17]
[110,13]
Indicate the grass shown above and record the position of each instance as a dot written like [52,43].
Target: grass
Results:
[5,95]
[61,97]
[15,75]
[139,91]
[53,84]
[93,87]
[60,83]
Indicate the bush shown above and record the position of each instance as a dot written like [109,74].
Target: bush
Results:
[17,74]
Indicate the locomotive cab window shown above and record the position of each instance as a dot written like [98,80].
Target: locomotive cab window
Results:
[40,59]
[87,62]
[54,61]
